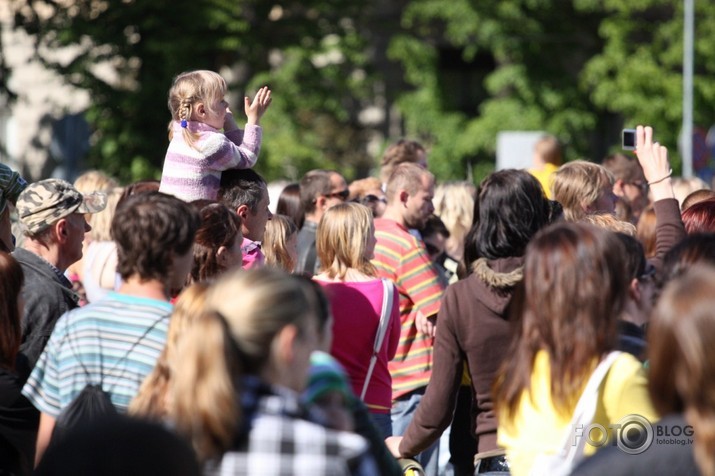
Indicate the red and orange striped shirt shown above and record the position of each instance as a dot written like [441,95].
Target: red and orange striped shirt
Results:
[402,258]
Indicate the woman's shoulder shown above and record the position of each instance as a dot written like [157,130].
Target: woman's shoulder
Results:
[625,372]
[625,390]
[627,366]
[473,288]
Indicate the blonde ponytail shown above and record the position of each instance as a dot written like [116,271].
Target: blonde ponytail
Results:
[203,399]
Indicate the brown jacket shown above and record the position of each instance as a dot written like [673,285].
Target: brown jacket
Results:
[471,326]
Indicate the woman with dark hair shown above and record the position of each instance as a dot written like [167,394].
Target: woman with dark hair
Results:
[680,383]
[574,289]
[289,204]
[490,238]
[19,420]
[218,241]
[510,208]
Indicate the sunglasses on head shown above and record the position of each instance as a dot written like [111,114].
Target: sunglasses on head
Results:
[342,195]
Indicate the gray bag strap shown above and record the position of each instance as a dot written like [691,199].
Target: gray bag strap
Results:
[387,298]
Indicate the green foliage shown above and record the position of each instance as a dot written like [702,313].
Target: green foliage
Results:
[638,74]
[537,53]
[578,69]
[313,119]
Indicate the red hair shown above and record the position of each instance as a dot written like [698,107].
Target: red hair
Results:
[700,217]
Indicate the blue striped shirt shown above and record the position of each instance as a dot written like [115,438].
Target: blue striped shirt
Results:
[93,344]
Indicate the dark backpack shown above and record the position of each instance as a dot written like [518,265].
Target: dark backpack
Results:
[92,402]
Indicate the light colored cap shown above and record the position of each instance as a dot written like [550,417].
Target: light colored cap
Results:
[44,202]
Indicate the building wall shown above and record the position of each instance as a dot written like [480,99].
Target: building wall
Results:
[43,98]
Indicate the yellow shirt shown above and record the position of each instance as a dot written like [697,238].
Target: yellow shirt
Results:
[544,176]
[538,428]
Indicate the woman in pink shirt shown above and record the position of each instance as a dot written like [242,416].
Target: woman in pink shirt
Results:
[345,242]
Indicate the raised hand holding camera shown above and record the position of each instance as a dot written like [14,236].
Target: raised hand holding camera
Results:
[653,158]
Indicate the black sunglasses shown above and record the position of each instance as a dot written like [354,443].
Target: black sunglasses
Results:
[342,195]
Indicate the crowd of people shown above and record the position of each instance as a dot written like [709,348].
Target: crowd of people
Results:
[537,316]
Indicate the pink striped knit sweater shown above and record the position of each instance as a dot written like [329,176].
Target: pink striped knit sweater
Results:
[191,173]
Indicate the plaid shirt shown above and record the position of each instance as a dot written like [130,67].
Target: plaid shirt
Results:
[279,437]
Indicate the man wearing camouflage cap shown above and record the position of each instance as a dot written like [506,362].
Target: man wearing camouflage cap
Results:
[51,213]
[11,184]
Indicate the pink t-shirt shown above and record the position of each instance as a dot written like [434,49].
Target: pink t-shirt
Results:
[356,310]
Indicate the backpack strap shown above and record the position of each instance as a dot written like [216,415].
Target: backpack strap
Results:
[71,345]
[126,354]
[387,299]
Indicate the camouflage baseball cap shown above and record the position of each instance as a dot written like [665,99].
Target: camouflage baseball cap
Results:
[11,184]
[44,202]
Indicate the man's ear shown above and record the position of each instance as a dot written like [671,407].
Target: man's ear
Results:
[404,195]
[320,203]
[242,211]
[60,229]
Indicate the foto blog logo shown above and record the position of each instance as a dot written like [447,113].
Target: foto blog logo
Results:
[633,434]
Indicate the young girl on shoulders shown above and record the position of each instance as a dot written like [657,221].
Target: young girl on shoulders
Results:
[205,139]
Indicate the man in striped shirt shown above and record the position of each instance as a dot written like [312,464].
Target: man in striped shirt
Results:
[401,257]
[115,342]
